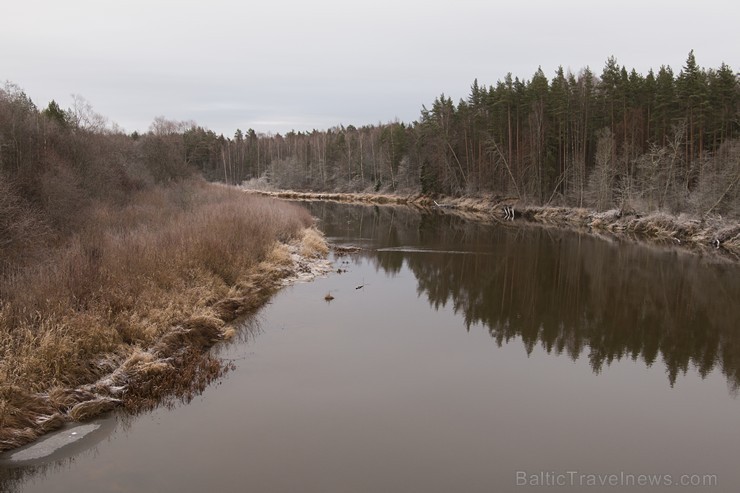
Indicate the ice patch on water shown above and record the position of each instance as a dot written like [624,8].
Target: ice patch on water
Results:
[52,442]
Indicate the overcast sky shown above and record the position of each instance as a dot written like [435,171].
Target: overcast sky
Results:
[302,64]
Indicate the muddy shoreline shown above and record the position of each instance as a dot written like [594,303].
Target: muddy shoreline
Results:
[713,236]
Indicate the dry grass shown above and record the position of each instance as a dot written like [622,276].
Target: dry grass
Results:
[125,311]
[313,244]
[21,227]
[659,227]
[695,233]
[364,198]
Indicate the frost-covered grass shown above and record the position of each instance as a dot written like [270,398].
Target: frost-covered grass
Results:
[682,230]
[679,230]
[123,311]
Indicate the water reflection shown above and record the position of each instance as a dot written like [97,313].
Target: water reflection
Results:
[571,293]
[378,392]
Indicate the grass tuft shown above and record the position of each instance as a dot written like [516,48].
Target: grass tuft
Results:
[123,312]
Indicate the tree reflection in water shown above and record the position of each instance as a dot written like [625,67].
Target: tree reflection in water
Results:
[571,293]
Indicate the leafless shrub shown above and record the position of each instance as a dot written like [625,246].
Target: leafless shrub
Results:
[718,188]
[162,272]
[22,229]
[601,182]
[660,175]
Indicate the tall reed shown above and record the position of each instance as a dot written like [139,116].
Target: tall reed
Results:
[165,261]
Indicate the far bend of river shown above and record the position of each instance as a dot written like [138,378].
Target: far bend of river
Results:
[474,358]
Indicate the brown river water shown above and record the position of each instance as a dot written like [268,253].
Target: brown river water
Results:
[456,356]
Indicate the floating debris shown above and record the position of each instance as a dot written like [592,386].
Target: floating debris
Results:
[508,212]
[443,206]
[340,250]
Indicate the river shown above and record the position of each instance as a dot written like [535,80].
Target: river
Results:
[455,355]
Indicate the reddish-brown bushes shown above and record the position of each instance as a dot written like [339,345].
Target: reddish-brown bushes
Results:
[150,274]
[107,251]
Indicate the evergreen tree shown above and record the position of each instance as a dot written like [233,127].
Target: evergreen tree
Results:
[691,88]
[54,113]
[665,113]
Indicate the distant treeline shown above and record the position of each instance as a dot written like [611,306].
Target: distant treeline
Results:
[622,139]
[660,141]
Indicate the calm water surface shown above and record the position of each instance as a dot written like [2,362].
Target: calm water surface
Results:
[475,358]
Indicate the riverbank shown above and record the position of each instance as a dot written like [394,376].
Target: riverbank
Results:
[124,314]
[712,235]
